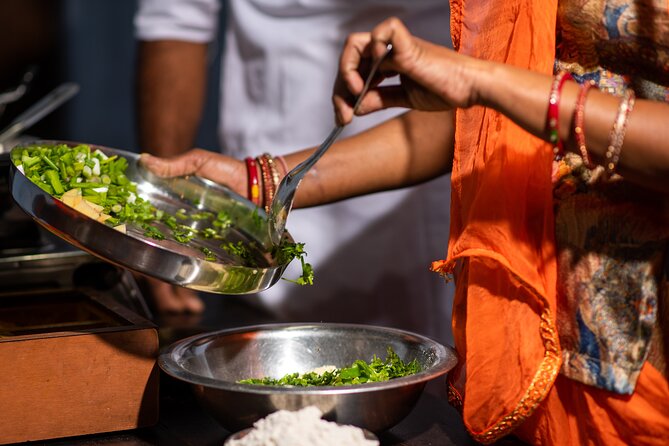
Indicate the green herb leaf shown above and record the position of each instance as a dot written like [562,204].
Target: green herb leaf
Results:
[359,372]
[286,251]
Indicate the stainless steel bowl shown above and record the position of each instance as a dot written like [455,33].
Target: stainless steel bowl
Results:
[213,363]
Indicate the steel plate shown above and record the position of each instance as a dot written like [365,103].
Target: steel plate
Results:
[168,260]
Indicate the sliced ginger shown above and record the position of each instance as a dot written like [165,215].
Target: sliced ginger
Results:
[74,199]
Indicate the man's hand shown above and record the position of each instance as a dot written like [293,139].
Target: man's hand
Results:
[222,169]
[168,298]
[213,166]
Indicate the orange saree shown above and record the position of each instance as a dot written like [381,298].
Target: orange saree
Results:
[502,254]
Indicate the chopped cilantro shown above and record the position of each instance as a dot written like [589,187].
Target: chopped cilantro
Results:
[286,251]
[240,250]
[359,372]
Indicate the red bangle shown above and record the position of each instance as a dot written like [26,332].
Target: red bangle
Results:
[253,183]
[579,123]
[554,113]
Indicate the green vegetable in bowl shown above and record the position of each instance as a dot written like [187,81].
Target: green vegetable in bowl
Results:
[89,181]
[96,185]
[359,372]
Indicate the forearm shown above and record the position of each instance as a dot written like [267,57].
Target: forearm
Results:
[171,82]
[523,96]
[410,149]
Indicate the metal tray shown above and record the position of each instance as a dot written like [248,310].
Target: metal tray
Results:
[168,260]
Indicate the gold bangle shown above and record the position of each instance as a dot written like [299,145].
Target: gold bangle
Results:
[617,134]
[276,178]
[579,122]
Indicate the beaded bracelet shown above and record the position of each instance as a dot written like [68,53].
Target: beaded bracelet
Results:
[253,182]
[266,181]
[579,123]
[276,178]
[270,176]
[617,134]
[554,113]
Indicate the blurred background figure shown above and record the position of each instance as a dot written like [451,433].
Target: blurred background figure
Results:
[276,74]
[279,62]
[89,42]
[28,50]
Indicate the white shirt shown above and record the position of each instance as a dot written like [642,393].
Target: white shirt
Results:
[370,254]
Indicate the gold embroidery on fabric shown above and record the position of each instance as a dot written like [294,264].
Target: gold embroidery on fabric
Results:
[541,383]
[454,398]
[539,387]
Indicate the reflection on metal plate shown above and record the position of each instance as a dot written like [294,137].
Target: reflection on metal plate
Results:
[168,260]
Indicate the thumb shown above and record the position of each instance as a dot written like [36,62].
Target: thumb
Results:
[154,164]
[168,167]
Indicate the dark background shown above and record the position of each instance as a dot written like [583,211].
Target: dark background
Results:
[92,43]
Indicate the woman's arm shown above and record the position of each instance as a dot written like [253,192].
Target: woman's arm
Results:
[434,77]
[522,96]
[411,148]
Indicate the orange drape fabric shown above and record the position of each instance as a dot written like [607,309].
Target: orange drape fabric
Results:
[576,414]
[502,230]
[502,253]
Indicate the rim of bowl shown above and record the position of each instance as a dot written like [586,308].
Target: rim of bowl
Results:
[446,360]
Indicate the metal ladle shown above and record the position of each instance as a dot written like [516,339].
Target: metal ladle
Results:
[285,193]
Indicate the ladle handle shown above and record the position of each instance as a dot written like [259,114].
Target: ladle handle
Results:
[285,193]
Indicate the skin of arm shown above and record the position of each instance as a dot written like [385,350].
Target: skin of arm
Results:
[644,158]
[171,84]
[413,148]
[409,149]
[435,77]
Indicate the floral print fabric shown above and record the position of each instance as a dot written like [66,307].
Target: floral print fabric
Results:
[611,236]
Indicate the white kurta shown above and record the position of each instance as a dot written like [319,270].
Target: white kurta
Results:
[370,254]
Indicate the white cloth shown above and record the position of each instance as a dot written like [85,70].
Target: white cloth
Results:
[370,254]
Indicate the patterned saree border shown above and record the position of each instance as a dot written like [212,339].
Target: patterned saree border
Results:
[538,389]
[454,398]
[543,379]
